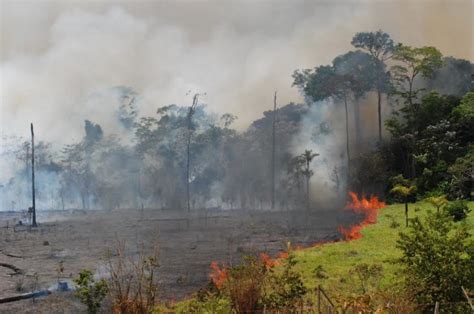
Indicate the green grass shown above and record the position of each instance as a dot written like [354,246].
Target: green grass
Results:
[377,246]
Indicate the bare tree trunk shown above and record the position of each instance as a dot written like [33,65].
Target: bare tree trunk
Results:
[33,208]
[188,148]
[307,193]
[273,150]
[358,131]
[347,140]
[187,169]
[379,107]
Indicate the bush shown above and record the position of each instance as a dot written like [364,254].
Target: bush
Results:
[132,282]
[457,209]
[438,257]
[89,291]
[244,285]
[255,285]
[286,289]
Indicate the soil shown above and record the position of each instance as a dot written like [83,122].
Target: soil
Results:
[186,243]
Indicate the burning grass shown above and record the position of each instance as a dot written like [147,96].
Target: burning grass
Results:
[368,207]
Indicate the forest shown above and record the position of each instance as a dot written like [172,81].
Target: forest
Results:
[382,114]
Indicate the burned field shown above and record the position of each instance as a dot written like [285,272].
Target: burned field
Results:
[186,243]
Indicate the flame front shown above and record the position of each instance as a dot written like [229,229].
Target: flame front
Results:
[369,207]
[218,275]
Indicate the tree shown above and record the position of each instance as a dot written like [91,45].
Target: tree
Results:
[89,291]
[306,159]
[437,201]
[438,256]
[323,83]
[363,73]
[404,192]
[413,62]
[380,46]
[190,129]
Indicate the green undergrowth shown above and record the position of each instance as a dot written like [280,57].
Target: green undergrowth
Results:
[333,266]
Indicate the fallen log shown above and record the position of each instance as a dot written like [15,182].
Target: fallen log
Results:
[12,267]
[29,295]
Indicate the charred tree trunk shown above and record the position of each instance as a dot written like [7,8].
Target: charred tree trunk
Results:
[379,107]
[347,140]
[273,150]
[188,144]
[358,131]
[188,149]
[307,191]
[33,207]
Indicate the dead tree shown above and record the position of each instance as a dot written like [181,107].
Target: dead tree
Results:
[273,149]
[189,119]
[33,207]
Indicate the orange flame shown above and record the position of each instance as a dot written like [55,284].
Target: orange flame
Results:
[218,275]
[369,207]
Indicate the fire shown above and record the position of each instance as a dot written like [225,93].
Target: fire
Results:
[218,274]
[369,207]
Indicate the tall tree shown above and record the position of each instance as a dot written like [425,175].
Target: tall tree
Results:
[33,207]
[273,148]
[380,46]
[412,63]
[362,72]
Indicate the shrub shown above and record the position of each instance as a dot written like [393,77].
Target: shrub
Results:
[255,285]
[285,290]
[244,285]
[89,291]
[438,257]
[457,209]
[132,282]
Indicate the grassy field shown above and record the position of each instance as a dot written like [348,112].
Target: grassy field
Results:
[336,261]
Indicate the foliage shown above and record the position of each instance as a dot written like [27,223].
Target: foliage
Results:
[437,201]
[244,285]
[458,210]
[403,191]
[378,44]
[90,291]
[133,283]
[413,62]
[438,257]
[285,288]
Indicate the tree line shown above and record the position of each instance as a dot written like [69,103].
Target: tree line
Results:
[188,157]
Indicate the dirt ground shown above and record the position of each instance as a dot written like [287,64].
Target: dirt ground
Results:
[187,243]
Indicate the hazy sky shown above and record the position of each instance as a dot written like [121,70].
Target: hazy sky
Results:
[59,58]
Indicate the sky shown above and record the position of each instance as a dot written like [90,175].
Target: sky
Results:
[59,60]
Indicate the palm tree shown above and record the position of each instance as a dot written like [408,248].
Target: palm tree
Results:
[437,201]
[404,192]
[306,158]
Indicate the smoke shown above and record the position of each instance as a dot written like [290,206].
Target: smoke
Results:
[53,67]
[114,62]
[323,132]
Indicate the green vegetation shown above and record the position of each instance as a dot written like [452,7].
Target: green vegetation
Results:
[90,291]
[437,259]
[377,248]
